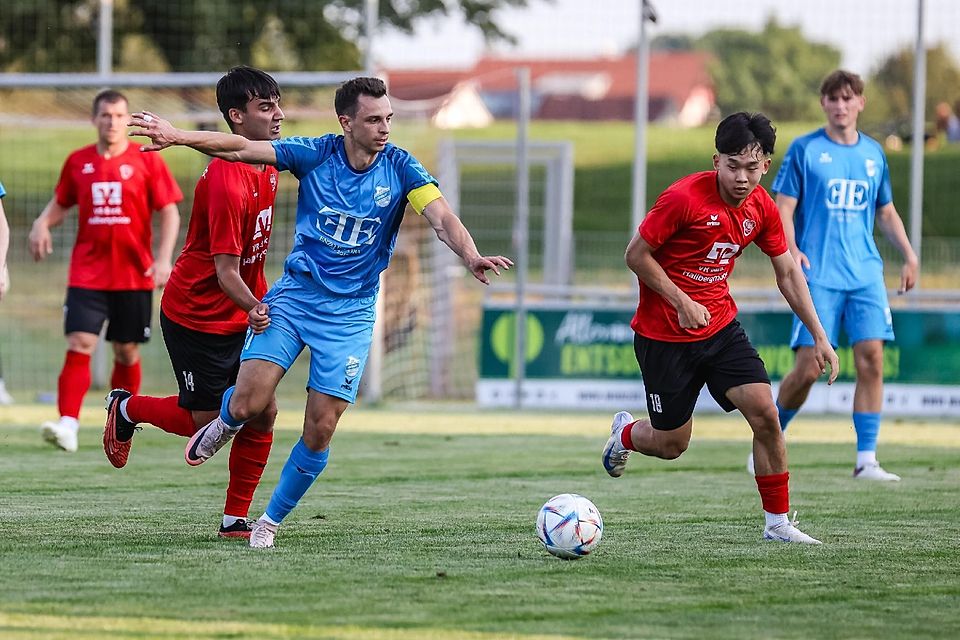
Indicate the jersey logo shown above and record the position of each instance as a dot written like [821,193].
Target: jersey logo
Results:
[381,195]
[714,220]
[126,171]
[721,252]
[825,158]
[847,194]
[748,226]
[107,193]
[871,167]
[352,231]
[273,182]
[87,168]
[350,370]
[264,223]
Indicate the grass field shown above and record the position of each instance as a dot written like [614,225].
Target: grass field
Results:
[422,527]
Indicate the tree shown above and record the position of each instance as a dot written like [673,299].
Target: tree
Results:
[307,35]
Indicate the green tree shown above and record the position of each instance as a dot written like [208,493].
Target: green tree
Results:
[777,71]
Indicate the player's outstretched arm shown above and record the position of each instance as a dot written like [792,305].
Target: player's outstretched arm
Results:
[41,242]
[793,286]
[227,146]
[892,226]
[639,257]
[452,233]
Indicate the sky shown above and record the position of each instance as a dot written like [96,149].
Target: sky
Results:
[864,30]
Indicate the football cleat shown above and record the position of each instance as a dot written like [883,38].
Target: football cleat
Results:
[207,441]
[874,471]
[117,430]
[262,535]
[788,532]
[59,435]
[239,529]
[614,453]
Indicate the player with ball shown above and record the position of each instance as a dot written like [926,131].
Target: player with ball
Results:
[687,334]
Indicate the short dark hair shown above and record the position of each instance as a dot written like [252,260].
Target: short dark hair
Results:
[242,84]
[741,130]
[110,96]
[839,79]
[345,100]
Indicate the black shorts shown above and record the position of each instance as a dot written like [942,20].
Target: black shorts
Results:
[127,313]
[675,372]
[205,364]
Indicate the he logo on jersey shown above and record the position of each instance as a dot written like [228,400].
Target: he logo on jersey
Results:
[825,158]
[847,194]
[721,252]
[126,171]
[871,167]
[381,195]
[107,193]
[748,226]
[714,220]
[264,223]
[87,168]
[350,230]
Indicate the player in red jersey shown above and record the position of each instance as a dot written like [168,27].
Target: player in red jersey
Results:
[112,268]
[687,335]
[213,294]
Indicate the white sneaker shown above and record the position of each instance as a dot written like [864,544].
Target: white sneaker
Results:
[788,532]
[207,441]
[614,453]
[750,468]
[261,537]
[59,435]
[5,397]
[874,471]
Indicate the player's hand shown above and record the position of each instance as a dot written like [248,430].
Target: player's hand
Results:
[41,242]
[162,134]
[160,272]
[692,315]
[481,264]
[802,260]
[259,317]
[826,356]
[908,276]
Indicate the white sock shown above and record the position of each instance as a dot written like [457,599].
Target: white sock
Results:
[123,409]
[229,521]
[267,518]
[865,458]
[70,423]
[774,519]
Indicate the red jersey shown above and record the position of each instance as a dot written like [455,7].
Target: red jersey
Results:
[115,197]
[232,215]
[696,237]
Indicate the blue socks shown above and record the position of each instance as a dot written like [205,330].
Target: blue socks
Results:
[786,415]
[229,420]
[867,426]
[301,469]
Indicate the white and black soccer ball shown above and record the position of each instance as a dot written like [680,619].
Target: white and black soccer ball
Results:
[569,526]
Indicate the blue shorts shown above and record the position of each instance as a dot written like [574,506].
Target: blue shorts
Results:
[338,332]
[863,313]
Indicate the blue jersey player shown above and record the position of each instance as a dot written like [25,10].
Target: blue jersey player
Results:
[833,186]
[353,191]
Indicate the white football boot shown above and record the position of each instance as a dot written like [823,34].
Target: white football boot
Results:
[788,532]
[262,535]
[207,441]
[60,435]
[874,471]
[614,453]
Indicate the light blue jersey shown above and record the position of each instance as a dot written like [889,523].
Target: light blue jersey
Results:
[347,220]
[838,188]
[3,191]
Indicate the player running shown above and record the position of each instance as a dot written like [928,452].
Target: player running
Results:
[213,293]
[687,334]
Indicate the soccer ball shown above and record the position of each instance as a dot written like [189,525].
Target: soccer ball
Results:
[569,526]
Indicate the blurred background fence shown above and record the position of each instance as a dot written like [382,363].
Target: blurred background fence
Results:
[697,73]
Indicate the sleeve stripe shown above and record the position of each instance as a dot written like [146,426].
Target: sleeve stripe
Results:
[422,196]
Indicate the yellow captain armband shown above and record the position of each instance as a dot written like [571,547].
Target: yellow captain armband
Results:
[422,196]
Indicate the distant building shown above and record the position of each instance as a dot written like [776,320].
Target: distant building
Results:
[603,88]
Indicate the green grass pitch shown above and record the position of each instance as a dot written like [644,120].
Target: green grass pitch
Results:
[422,526]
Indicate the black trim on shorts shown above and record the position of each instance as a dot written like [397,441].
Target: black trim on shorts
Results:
[128,314]
[675,372]
[205,364]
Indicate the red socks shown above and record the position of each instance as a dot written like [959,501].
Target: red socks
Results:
[625,437]
[73,383]
[248,456]
[775,492]
[163,413]
[126,377]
